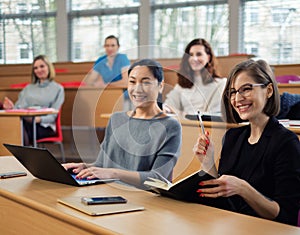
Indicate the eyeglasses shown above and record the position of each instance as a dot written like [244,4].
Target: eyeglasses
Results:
[244,90]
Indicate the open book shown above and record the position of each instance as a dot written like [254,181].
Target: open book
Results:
[186,190]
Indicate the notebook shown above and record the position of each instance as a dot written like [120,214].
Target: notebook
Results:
[43,165]
[105,209]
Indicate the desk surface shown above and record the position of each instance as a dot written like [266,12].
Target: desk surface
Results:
[11,130]
[161,215]
[27,112]
[91,101]
[219,125]
[225,125]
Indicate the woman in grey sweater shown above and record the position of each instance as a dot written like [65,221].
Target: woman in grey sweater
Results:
[141,143]
[42,92]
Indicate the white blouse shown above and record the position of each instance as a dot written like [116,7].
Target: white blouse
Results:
[205,98]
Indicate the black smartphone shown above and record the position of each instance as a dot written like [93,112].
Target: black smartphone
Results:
[102,200]
[12,174]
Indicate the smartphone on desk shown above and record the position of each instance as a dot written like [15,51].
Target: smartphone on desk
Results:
[102,200]
[12,174]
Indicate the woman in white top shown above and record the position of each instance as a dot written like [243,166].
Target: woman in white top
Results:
[199,86]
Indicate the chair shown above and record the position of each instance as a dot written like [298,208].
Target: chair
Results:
[287,78]
[19,85]
[58,139]
[289,106]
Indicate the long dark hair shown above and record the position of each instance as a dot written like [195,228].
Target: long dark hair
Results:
[186,74]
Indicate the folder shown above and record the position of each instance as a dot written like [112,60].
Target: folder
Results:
[97,210]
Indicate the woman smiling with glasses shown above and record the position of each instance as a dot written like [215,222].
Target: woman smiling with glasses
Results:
[259,167]
[244,90]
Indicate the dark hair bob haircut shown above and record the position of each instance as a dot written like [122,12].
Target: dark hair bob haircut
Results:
[260,72]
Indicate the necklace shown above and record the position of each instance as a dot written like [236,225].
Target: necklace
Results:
[155,116]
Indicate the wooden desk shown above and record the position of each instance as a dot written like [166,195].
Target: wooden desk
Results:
[10,132]
[83,106]
[11,127]
[187,163]
[29,206]
[290,88]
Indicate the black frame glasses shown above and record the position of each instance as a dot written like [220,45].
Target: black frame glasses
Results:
[245,90]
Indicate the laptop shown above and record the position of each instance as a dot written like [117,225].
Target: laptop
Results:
[43,165]
[205,117]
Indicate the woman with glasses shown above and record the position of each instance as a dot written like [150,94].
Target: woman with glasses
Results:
[140,143]
[259,166]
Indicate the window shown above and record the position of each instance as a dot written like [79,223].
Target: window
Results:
[282,52]
[35,7]
[282,15]
[104,4]
[97,24]
[1,51]
[176,26]
[252,15]
[21,8]
[24,52]
[251,48]
[276,32]
[177,1]
[222,49]
[77,51]
[26,32]
[269,29]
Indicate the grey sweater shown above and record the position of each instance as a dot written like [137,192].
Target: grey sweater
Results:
[49,94]
[149,146]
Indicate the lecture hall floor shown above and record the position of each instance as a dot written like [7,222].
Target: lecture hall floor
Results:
[87,147]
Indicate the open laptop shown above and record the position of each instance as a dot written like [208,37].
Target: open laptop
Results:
[43,165]
[214,117]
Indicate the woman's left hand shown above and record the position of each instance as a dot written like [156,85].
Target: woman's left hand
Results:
[225,186]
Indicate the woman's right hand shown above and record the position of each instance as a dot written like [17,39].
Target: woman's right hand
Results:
[168,109]
[7,104]
[204,150]
[76,167]
[201,146]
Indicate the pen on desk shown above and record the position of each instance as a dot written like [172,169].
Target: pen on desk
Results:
[200,122]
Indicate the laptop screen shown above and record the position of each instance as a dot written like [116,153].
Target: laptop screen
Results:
[43,165]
